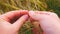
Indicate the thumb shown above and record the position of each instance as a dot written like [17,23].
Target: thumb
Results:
[33,15]
[18,24]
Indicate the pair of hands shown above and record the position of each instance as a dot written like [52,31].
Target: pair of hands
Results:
[50,23]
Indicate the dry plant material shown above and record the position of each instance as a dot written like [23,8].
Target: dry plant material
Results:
[37,29]
[41,5]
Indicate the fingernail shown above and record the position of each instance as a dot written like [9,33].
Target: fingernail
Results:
[25,16]
[31,12]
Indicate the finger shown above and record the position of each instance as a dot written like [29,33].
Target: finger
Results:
[39,15]
[48,13]
[13,15]
[37,29]
[54,15]
[18,24]
[33,15]
[48,23]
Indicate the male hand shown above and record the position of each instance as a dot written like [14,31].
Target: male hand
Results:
[9,22]
[49,22]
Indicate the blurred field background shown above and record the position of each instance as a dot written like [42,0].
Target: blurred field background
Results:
[41,5]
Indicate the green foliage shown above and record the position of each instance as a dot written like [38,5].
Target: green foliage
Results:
[41,5]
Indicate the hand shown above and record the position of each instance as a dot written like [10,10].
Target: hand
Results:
[48,21]
[9,22]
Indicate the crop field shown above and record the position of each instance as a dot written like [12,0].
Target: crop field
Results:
[35,5]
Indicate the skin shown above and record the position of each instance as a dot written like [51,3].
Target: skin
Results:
[48,21]
[6,19]
[11,22]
